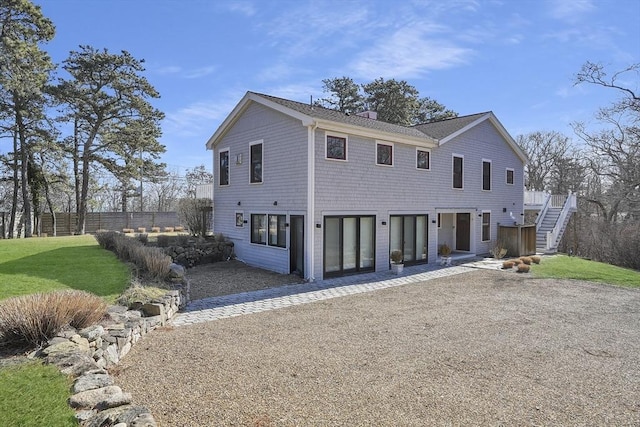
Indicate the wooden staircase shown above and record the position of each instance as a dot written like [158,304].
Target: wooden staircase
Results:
[553,217]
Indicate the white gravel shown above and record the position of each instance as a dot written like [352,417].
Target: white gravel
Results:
[482,348]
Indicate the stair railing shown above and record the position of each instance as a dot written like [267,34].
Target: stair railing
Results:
[567,208]
[543,211]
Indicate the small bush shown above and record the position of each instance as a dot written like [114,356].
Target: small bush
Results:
[128,230]
[155,229]
[156,262]
[178,228]
[523,268]
[536,259]
[508,264]
[36,318]
[526,260]
[106,239]
[143,238]
[140,294]
[498,251]
[168,229]
[142,230]
[163,241]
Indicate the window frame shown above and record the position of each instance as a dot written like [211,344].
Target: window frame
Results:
[228,167]
[453,171]
[482,182]
[265,231]
[358,269]
[486,224]
[387,144]
[251,161]
[513,176]
[346,146]
[418,150]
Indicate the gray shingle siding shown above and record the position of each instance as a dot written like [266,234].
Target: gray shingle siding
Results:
[284,181]
[359,186]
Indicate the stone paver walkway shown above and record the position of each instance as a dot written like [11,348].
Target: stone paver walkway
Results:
[214,308]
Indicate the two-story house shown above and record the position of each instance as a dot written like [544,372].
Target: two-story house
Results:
[301,188]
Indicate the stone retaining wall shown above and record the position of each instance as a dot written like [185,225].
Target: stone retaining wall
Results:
[86,354]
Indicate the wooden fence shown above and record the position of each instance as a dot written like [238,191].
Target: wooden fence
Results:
[66,222]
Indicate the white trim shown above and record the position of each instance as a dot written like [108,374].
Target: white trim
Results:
[228,151]
[426,150]
[346,146]
[251,144]
[389,144]
[453,156]
[310,223]
[482,225]
[490,175]
[513,176]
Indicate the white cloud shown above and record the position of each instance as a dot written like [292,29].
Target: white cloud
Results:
[200,72]
[169,69]
[244,7]
[570,10]
[409,52]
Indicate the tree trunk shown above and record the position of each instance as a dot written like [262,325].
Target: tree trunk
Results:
[16,183]
[82,209]
[47,197]
[24,151]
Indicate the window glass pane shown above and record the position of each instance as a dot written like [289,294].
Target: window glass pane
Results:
[409,238]
[256,163]
[336,148]
[486,175]
[421,236]
[282,231]
[486,226]
[396,233]
[224,168]
[457,172]
[332,244]
[423,159]
[259,228]
[385,154]
[349,243]
[509,176]
[273,230]
[367,250]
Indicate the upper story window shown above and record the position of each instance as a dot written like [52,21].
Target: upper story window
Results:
[384,154]
[457,171]
[510,173]
[256,162]
[336,147]
[423,159]
[486,175]
[223,169]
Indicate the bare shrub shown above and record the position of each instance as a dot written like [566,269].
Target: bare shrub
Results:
[137,293]
[34,319]
[498,251]
[507,265]
[106,239]
[163,241]
[168,229]
[526,260]
[535,258]
[196,214]
[523,268]
[156,263]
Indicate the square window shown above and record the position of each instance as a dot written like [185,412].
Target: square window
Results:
[223,172]
[423,159]
[336,148]
[510,176]
[384,154]
[259,229]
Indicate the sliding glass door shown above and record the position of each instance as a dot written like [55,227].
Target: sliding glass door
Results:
[409,234]
[349,244]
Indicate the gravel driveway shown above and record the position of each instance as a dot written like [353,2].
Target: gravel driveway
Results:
[481,348]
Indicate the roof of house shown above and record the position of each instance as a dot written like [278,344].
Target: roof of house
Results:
[319,112]
[432,134]
[442,128]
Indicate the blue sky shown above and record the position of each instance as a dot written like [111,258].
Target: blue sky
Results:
[517,58]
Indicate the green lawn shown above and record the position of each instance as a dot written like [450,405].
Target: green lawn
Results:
[45,264]
[564,267]
[34,395]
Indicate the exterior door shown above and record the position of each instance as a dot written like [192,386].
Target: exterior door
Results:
[349,245]
[463,232]
[409,234]
[296,245]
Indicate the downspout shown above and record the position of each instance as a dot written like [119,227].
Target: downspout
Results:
[311,205]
